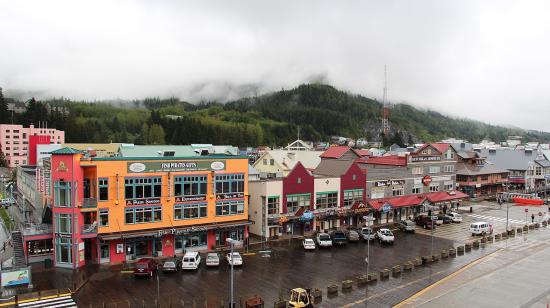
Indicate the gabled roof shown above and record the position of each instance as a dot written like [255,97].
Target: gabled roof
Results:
[543,163]
[363,152]
[440,147]
[338,151]
[333,167]
[392,160]
[66,151]
[288,159]
[471,169]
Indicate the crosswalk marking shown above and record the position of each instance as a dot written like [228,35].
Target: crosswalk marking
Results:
[493,218]
[58,302]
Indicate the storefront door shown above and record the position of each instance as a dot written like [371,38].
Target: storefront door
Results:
[179,245]
[104,253]
[157,247]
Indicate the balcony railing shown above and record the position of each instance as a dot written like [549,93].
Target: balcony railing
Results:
[29,229]
[89,228]
[89,202]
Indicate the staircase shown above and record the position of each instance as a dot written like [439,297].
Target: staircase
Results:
[18,253]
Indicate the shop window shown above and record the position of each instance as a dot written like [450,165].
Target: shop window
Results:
[418,170]
[62,194]
[448,187]
[229,183]
[63,223]
[294,202]
[63,250]
[103,185]
[104,217]
[190,211]
[449,168]
[39,247]
[352,196]
[417,189]
[141,188]
[190,185]
[140,215]
[398,191]
[193,240]
[434,187]
[273,205]
[326,200]
[225,208]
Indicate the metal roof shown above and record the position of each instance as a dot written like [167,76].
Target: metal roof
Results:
[66,151]
[509,159]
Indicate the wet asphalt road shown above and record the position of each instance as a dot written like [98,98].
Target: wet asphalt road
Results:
[289,266]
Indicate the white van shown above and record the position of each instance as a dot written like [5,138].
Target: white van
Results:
[191,260]
[481,228]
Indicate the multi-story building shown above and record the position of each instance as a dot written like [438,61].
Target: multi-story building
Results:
[14,141]
[477,178]
[113,209]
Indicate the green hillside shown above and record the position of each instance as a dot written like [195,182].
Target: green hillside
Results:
[320,111]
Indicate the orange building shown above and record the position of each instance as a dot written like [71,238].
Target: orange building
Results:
[120,208]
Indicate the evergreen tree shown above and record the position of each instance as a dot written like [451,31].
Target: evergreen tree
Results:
[4,113]
[156,134]
[3,162]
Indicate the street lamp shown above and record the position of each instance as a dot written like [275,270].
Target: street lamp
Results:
[368,219]
[432,246]
[232,243]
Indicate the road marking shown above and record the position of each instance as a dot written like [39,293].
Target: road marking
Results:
[426,289]
[501,219]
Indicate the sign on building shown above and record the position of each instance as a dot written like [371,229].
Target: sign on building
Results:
[165,166]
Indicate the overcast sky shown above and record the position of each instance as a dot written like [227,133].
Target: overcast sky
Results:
[486,60]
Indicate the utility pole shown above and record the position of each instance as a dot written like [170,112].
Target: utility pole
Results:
[385,107]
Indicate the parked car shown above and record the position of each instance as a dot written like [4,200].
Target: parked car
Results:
[324,240]
[406,226]
[425,222]
[481,228]
[446,219]
[384,235]
[353,236]
[339,238]
[145,267]
[212,259]
[367,234]
[309,244]
[171,265]
[191,260]
[455,217]
[236,259]
[438,220]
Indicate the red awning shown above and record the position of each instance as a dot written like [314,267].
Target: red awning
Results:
[442,196]
[300,211]
[395,202]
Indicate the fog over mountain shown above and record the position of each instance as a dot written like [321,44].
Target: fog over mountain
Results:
[485,60]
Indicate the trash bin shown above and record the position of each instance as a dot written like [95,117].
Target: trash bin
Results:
[47,263]
[471,210]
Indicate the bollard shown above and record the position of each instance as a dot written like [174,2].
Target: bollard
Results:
[372,277]
[531,227]
[460,250]
[384,273]
[468,247]
[436,257]
[444,254]
[512,233]
[408,266]
[396,270]
[452,252]
[525,228]
[490,239]
[483,240]
[417,261]
[347,284]
[504,235]
[497,237]
[426,260]
[361,279]
[519,230]
[332,289]
[476,244]
[317,295]
[537,225]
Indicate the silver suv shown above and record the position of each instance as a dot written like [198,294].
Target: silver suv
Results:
[406,226]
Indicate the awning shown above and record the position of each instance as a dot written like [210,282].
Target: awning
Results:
[442,196]
[300,211]
[396,202]
[175,230]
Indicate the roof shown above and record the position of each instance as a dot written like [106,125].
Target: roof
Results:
[130,150]
[333,167]
[440,147]
[509,159]
[401,201]
[337,152]
[288,159]
[543,162]
[392,160]
[466,154]
[252,170]
[66,151]
[472,169]
[441,196]
[108,148]
[363,152]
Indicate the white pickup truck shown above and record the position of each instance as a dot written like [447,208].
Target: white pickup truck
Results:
[384,235]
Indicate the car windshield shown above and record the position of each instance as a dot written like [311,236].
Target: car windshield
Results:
[386,232]
[324,237]
[309,241]
[169,264]
[212,257]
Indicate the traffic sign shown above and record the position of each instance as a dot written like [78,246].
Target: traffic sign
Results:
[526,210]
[540,213]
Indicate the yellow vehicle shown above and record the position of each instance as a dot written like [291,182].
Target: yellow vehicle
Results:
[300,298]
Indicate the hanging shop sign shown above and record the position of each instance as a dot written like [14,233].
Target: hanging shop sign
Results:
[425,158]
[389,183]
[426,180]
[386,208]
[183,231]
[165,166]
[283,219]
[361,208]
[306,216]
[147,201]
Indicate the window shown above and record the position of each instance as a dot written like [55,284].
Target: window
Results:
[352,196]
[435,169]
[62,194]
[190,211]
[397,191]
[448,187]
[140,188]
[417,170]
[140,215]
[272,162]
[104,217]
[354,177]
[63,223]
[63,250]
[190,185]
[229,208]
[449,168]
[378,193]
[326,199]
[294,202]
[538,170]
[417,189]
[265,161]
[229,183]
[434,187]
[103,185]
[272,205]
[449,154]
[299,181]
[87,188]
[39,247]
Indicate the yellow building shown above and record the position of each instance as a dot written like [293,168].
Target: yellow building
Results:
[112,209]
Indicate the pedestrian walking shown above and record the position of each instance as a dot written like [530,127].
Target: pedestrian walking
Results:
[532,217]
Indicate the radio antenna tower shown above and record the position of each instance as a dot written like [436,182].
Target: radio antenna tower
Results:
[386,107]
